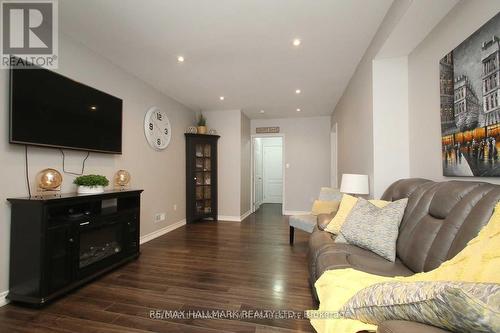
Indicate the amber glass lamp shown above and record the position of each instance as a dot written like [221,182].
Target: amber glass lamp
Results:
[122,179]
[49,180]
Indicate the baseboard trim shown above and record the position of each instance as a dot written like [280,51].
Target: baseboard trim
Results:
[245,215]
[162,231]
[3,298]
[231,218]
[296,212]
[228,218]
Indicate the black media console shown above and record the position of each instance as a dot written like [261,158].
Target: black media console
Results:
[60,242]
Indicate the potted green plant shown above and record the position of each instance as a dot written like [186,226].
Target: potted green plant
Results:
[91,184]
[202,125]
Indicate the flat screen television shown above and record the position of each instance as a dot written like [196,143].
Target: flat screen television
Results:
[48,109]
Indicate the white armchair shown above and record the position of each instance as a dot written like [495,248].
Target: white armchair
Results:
[308,221]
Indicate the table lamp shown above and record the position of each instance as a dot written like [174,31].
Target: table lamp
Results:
[354,184]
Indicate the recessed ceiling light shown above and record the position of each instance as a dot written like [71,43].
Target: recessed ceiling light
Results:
[296,42]
[180,59]
[298,91]
[221,98]
[262,111]
[93,108]
[298,110]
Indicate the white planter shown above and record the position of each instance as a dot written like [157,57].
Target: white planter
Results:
[90,189]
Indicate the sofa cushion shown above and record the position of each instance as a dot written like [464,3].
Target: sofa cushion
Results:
[318,242]
[373,228]
[350,256]
[322,247]
[402,326]
[403,188]
[441,218]
[455,306]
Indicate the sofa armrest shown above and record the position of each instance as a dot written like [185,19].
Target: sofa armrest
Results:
[323,220]
[401,326]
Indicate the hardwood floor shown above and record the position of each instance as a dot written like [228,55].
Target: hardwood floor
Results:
[203,266]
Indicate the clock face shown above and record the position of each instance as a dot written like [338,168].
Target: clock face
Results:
[157,128]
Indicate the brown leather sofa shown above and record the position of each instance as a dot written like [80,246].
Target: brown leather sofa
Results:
[439,220]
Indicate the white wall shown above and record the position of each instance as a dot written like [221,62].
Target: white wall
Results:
[424,99]
[234,150]
[391,157]
[334,182]
[354,111]
[307,151]
[160,174]
[228,126]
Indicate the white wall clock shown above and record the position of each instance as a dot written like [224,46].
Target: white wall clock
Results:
[157,128]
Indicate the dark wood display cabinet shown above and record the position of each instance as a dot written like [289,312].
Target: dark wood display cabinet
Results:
[201,177]
[60,242]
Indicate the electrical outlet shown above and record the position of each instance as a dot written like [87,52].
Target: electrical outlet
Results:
[159,217]
[175,207]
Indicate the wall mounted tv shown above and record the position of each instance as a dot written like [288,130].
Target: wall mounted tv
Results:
[48,109]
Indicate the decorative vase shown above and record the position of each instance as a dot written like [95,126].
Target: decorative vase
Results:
[90,189]
[202,129]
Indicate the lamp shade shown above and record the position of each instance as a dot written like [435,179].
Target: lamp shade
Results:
[354,184]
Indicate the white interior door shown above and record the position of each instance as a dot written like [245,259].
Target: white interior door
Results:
[258,174]
[272,170]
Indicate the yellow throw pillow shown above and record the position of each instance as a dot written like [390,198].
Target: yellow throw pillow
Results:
[346,205]
[325,207]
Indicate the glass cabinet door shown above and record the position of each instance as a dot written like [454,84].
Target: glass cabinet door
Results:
[203,178]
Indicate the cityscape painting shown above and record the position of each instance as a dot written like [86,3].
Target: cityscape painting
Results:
[470,113]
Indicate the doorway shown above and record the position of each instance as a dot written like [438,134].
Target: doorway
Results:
[267,171]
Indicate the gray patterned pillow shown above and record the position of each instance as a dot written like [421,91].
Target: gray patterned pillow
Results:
[454,306]
[372,228]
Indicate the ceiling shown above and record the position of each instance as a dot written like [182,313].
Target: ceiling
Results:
[239,49]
